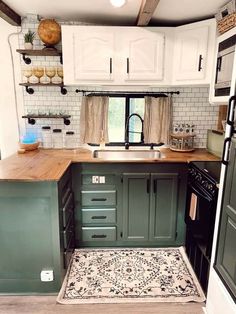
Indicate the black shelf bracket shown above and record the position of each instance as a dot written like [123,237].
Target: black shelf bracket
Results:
[29,90]
[31,121]
[63,90]
[66,121]
[27,60]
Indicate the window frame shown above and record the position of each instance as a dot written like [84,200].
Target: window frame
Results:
[127,114]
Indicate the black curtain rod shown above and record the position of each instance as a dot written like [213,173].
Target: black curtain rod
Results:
[104,93]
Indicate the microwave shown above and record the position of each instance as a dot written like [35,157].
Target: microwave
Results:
[224,66]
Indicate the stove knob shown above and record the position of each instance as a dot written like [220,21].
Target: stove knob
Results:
[210,186]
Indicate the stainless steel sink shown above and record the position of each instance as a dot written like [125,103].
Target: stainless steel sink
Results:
[127,154]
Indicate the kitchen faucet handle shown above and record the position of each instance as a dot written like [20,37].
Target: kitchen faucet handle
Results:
[152,145]
[126,145]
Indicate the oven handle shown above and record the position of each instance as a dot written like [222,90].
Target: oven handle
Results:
[201,193]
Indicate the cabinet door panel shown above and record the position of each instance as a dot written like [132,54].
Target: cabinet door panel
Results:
[164,207]
[226,253]
[190,54]
[93,55]
[144,52]
[136,206]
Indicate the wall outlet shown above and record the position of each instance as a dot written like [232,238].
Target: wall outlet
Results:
[46,275]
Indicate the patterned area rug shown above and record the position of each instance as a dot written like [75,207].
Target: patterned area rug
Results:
[130,275]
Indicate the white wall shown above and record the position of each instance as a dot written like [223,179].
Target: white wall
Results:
[8,121]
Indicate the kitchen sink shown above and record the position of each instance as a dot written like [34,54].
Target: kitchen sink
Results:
[127,154]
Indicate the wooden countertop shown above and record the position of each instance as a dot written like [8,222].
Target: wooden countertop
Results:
[50,165]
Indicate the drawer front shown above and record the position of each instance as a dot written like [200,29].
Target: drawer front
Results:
[95,198]
[98,233]
[98,180]
[98,216]
[67,210]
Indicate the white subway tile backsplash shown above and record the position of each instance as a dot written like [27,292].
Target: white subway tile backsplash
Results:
[191,106]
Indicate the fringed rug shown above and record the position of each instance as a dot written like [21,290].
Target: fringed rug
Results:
[130,275]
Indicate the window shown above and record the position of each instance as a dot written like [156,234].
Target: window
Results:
[120,109]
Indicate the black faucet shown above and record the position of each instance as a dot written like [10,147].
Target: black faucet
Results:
[127,129]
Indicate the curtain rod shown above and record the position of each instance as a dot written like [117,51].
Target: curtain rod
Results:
[103,93]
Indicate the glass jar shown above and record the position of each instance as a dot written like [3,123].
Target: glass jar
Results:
[69,140]
[57,139]
[46,137]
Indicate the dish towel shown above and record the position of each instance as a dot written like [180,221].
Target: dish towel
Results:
[193,206]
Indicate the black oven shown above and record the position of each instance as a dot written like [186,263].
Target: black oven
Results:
[202,193]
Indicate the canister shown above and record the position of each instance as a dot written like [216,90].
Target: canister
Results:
[57,138]
[46,137]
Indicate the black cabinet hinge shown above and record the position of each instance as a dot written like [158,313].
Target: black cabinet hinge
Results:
[121,234]
[121,179]
[176,235]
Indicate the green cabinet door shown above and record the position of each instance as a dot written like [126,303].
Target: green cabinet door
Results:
[226,253]
[164,202]
[136,191]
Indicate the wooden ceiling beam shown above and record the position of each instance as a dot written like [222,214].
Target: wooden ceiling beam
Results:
[9,15]
[146,11]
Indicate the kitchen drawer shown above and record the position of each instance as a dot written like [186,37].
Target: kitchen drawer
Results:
[98,179]
[65,187]
[95,198]
[98,233]
[68,233]
[101,216]
[68,210]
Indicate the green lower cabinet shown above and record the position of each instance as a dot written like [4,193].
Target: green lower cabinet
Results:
[130,204]
[163,211]
[35,235]
[136,209]
[150,207]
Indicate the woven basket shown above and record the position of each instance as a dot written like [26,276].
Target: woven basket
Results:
[31,146]
[226,23]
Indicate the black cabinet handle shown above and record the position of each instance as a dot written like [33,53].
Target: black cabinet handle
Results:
[110,65]
[225,159]
[98,217]
[127,64]
[148,186]
[99,236]
[219,62]
[98,199]
[200,63]
[155,186]
[230,114]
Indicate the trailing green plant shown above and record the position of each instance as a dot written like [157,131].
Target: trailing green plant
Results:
[29,37]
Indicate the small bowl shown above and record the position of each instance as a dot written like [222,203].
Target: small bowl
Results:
[30,146]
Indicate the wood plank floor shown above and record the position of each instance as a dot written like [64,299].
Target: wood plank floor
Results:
[47,305]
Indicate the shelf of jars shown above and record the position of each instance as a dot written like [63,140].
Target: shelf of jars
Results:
[32,117]
[39,52]
[43,76]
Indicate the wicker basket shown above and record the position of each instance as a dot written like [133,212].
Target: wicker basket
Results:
[226,23]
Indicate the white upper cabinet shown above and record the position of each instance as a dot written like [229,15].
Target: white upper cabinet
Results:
[88,54]
[193,53]
[111,55]
[143,52]
[154,56]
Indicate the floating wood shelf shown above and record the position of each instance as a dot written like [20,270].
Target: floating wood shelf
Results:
[32,117]
[30,90]
[39,52]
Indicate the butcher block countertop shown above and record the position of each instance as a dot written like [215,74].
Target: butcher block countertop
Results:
[50,165]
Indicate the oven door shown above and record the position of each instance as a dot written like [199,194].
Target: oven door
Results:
[200,216]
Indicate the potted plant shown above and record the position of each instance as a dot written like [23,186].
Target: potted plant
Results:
[29,38]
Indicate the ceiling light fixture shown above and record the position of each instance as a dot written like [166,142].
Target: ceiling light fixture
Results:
[117,3]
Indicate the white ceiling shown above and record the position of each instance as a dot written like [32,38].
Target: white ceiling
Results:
[168,12]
